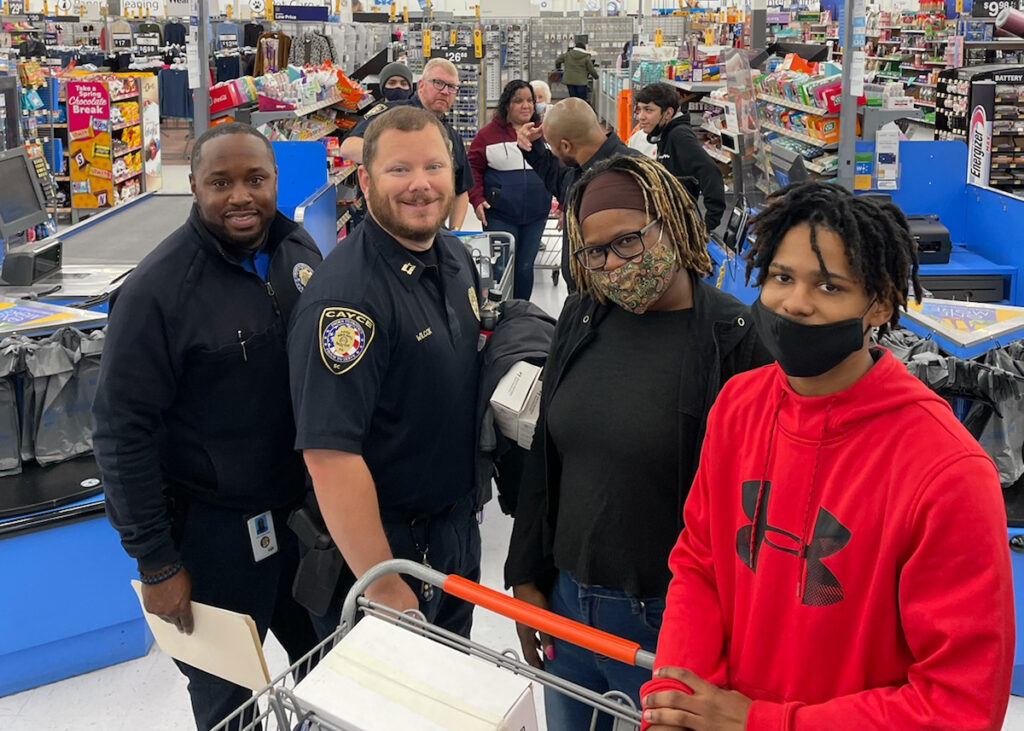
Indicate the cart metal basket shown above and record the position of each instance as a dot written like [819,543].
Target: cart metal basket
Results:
[275,708]
[493,254]
[550,255]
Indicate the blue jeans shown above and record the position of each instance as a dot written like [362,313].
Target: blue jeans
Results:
[528,237]
[617,612]
[580,91]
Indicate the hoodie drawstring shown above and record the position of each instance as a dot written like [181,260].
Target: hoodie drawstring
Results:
[805,540]
[764,477]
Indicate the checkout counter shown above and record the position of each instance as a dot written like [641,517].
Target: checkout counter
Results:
[67,606]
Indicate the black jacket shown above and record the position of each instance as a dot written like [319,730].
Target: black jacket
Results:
[193,399]
[684,155]
[559,179]
[728,344]
[523,332]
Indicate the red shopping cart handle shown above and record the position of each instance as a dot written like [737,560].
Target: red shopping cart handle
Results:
[592,639]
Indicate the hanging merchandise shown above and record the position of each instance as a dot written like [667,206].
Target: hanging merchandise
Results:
[272,51]
[312,48]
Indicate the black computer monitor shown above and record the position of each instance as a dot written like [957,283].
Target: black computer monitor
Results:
[22,204]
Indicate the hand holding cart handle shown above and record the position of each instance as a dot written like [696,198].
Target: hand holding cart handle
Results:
[553,624]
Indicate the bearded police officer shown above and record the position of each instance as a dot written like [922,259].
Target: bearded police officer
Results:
[194,431]
[383,355]
[435,92]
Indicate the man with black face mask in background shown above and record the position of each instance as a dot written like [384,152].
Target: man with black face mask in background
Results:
[577,143]
[396,82]
[658,114]
[194,429]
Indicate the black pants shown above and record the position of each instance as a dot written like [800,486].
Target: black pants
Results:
[580,91]
[216,550]
[452,540]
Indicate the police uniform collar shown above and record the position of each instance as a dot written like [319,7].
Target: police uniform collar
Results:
[406,267]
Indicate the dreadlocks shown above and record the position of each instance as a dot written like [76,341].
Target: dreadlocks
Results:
[875,236]
[665,198]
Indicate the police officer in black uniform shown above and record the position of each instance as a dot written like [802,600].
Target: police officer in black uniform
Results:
[384,369]
[436,93]
[194,430]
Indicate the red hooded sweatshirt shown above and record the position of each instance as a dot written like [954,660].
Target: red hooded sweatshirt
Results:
[844,561]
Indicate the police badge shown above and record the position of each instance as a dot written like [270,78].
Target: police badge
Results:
[345,334]
[301,274]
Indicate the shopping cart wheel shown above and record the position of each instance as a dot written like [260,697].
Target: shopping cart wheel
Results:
[554,276]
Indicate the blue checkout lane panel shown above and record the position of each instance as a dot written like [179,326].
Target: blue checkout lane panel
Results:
[67,606]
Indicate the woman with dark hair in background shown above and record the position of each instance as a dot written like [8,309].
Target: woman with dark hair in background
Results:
[507,194]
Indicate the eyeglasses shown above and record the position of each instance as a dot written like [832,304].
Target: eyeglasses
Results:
[628,246]
[444,86]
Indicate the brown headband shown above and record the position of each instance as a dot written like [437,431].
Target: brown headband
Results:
[612,190]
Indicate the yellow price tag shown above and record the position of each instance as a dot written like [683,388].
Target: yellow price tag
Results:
[269,10]
[426,42]
[709,37]
[391,12]
[46,7]
[452,38]
[5,8]
[337,7]
[478,11]
[659,37]
[405,14]
[147,10]
[478,43]
[229,11]
[959,6]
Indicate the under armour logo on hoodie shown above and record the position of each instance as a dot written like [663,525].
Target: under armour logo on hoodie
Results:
[821,587]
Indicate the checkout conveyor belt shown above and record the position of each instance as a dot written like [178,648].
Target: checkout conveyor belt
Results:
[124,235]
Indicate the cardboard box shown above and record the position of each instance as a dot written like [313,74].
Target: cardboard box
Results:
[516,402]
[381,677]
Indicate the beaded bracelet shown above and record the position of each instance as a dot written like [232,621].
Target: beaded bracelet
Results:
[162,576]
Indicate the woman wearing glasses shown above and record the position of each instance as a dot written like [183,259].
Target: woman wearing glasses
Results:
[507,194]
[638,357]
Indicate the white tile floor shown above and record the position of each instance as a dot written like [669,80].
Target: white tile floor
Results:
[150,692]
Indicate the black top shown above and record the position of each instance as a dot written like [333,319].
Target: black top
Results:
[174,33]
[460,160]
[384,364]
[251,33]
[684,155]
[560,179]
[719,342]
[613,424]
[193,394]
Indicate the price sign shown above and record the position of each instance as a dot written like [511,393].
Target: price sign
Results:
[455,54]
[227,41]
[990,8]
[149,43]
[121,40]
[15,7]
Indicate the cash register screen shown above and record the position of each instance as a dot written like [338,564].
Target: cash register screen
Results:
[21,198]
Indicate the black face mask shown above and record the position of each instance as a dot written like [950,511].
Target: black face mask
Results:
[806,351]
[396,94]
[654,136]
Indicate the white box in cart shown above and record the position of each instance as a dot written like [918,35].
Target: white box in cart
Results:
[516,402]
[380,677]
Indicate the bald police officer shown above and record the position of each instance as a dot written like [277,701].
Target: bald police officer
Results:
[384,369]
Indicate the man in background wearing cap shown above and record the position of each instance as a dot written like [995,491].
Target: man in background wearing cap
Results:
[436,93]
[577,143]
[396,82]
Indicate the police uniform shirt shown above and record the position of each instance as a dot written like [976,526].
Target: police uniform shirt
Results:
[460,160]
[383,359]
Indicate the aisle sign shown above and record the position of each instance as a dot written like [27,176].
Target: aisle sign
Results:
[16,7]
[310,10]
[991,8]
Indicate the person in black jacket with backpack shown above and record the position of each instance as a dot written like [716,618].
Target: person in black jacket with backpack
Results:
[659,115]
[194,430]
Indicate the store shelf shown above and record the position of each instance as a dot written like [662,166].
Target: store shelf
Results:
[129,176]
[1015,44]
[697,87]
[125,97]
[718,154]
[711,129]
[126,151]
[259,118]
[125,125]
[890,42]
[912,30]
[819,169]
[797,136]
[919,49]
[924,103]
[344,175]
[795,105]
[721,103]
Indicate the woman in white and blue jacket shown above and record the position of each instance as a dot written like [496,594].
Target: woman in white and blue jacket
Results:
[507,194]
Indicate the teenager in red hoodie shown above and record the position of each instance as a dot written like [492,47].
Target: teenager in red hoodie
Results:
[844,562]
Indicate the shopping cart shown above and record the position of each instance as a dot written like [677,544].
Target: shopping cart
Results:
[493,254]
[550,254]
[276,707]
